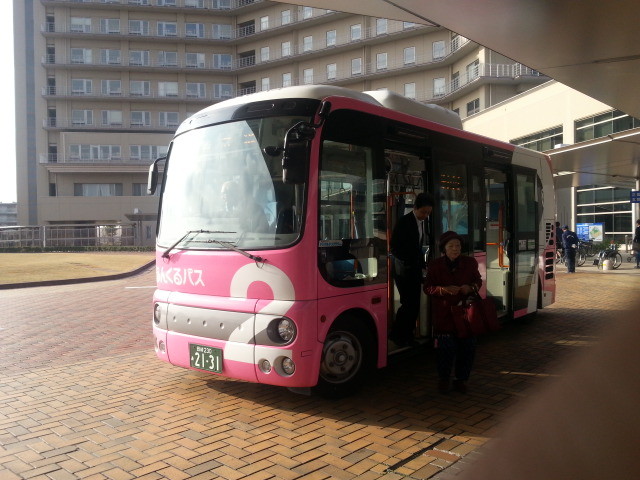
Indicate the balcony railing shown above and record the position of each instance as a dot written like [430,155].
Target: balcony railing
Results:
[197,4]
[54,158]
[63,123]
[151,95]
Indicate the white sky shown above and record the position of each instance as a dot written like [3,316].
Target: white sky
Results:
[7,116]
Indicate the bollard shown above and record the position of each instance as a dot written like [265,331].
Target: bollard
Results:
[607,264]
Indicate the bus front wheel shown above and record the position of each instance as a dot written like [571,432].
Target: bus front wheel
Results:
[346,359]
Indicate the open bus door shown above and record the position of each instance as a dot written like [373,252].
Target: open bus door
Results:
[405,180]
[511,237]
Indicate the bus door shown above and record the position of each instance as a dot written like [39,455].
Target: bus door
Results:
[498,216]
[524,241]
[511,237]
[406,179]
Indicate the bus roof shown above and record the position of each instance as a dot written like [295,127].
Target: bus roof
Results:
[385,98]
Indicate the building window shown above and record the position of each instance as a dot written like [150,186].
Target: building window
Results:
[286,80]
[473,70]
[140,88]
[97,189]
[381,61]
[331,38]
[331,71]
[408,25]
[82,117]
[307,12]
[307,76]
[168,59]
[286,17]
[81,55]
[196,90]
[607,205]
[439,87]
[194,60]
[222,61]
[111,117]
[264,54]
[265,84]
[473,106]
[286,49]
[111,87]
[438,50]
[167,29]
[138,27]
[109,25]
[81,86]
[168,119]
[146,152]
[139,189]
[603,125]
[410,90]
[264,23]
[356,66]
[94,152]
[381,26]
[139,57]
[222,90]
[307,43]
[194,30]
[140,119]
[356,32]
[80,25]
[110,57]
[168,89]
[409,55]
[541,141]
[221,31]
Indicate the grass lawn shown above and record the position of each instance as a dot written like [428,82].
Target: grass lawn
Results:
[37,267]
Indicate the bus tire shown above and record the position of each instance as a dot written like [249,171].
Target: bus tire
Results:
[347,358]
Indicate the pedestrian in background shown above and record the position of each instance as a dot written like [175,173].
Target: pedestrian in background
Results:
[570,245]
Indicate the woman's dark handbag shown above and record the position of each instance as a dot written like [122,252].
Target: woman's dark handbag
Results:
[476,316]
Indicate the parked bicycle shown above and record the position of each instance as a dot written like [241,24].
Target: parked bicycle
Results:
[585,249]
[610,253]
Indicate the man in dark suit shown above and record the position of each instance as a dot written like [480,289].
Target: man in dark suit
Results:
[408,238]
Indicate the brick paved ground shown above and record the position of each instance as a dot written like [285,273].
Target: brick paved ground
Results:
[83,397]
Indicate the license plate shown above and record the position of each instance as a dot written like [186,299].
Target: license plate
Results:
[205,358]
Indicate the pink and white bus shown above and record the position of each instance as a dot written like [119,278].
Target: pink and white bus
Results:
[273,261]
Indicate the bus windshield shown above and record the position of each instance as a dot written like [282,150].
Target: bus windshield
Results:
[221,189]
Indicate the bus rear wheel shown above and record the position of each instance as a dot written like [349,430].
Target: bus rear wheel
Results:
[346,359]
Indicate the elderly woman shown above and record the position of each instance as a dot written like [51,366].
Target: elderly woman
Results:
[450,279]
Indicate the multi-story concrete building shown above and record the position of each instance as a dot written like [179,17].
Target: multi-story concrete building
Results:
[552,117]
[102,84]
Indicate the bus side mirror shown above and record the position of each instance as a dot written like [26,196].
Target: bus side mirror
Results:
[152,180]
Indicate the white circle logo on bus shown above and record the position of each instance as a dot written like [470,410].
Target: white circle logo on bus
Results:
[275,278]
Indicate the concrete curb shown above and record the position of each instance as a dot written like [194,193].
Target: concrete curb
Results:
[70,281]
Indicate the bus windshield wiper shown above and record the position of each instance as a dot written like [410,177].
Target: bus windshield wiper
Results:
[196,232]
[233,247]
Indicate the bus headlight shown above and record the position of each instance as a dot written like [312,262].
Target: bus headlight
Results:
[282,331]
[157,314]
[288,367]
